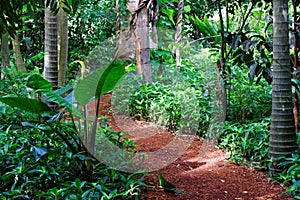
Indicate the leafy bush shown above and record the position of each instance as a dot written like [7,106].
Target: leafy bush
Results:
[41,155]
[35,163]
[290,175]
[247,100]
[247,143]
[203,91]
[156,102]
[193,89]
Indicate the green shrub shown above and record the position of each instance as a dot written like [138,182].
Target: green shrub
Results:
[247,143]
[156,102]
[36,163]
[180,101]
[247,101]
[290,173]
[41,155]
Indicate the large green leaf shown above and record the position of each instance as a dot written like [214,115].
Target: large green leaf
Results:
[27,104]
[54,97]
[100,82]
[64,90]
[37,82]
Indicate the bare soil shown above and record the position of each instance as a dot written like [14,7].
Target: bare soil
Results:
[202,172]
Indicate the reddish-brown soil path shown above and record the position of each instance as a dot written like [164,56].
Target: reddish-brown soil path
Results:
[202,172]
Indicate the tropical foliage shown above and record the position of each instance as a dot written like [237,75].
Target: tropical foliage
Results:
[40,145]
[47,137]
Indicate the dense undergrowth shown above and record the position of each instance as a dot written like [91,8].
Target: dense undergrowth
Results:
[41,154]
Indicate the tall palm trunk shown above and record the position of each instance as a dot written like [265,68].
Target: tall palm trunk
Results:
[51,52]
[62,46]
[283,137]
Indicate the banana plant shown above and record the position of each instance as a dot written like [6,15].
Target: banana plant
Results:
[97,84]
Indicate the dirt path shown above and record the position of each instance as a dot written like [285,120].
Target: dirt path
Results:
[202,172]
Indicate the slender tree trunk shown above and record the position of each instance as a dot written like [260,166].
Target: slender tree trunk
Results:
[5,51]
[138,53]
[133,6]
[178,35]
[18,54]
[226,15]
[62,46]
[283,137]
[51,52]
[154,27]
[223,42]
[117,34]
[222,62]
[143,40]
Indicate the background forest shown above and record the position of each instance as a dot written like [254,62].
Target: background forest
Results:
[49,50]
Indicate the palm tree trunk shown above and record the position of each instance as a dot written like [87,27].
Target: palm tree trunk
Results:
[51,52]
[62,46]
[283,137]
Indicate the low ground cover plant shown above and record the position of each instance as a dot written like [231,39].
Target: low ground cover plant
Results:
[247,143]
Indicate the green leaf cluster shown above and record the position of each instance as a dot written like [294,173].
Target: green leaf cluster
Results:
[156,100]
[247,143]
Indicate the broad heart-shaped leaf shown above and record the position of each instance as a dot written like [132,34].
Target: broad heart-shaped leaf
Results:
[37,82]
[100,82]
[27,104]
